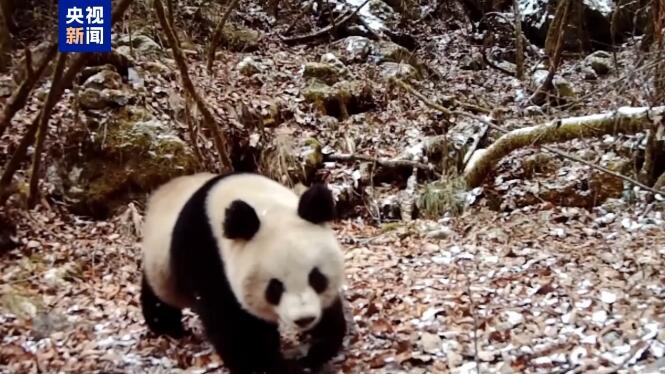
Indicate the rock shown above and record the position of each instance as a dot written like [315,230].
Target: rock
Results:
[353,48]
[440,233]
[595,18]
[331,59]
[248,66]
[589,74]
[387,51]
[391,70]
[92,98]
[600,62]
[238,38]
[130,154]
[156,67]
[141,44]
[382,10]
[340,100]
[104,79]
[326,73]
[564,88]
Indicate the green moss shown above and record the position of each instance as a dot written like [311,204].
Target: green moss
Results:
[442,197]
[239,38]
[322,71]
[131,153]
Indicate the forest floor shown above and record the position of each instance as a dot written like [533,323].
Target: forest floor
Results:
[533,286]
[552,290]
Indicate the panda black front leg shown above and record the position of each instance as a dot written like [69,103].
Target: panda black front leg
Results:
[161,318]
[246,344]
[327,337]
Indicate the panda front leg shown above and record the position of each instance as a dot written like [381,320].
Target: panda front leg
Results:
[327,337]
[246,344]
[161,318]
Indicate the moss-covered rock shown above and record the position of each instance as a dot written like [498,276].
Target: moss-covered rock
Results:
[327,73]
[131,153]
[239,38]
[391,52]
[341,99]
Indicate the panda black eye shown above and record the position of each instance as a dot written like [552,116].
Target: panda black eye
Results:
[274,291]
[317,280]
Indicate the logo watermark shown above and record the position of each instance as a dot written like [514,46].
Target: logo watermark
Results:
[84,25]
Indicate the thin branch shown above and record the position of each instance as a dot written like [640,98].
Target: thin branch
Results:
[476,180]
[21,93]
[339,22]
[209,119]
[217,35]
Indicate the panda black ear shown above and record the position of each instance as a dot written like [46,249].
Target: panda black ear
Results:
[317,204]
[241,221]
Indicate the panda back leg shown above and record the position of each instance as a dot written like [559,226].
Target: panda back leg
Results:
[160,317]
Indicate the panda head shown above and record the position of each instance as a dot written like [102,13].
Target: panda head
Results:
[284,262]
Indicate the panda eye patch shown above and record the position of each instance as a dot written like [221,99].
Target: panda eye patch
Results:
[274,291]
[317,280]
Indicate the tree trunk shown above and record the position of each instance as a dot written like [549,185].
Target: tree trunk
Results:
[5,38]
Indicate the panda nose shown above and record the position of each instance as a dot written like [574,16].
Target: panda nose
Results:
[304,322]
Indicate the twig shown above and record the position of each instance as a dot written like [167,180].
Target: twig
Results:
[44,117]
[477,180]
[341,21]
[217,35]
[20,95]
[382,162]
[209,119]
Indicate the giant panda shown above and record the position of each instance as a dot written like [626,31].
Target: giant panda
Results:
[247,255]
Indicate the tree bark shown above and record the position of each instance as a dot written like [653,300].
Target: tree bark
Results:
[5,39]
[624,120]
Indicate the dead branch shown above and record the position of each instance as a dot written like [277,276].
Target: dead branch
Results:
[625,120]
[339,22]
[209,119]
[21,93]
[382,162]
[44,117]
[446,111]
[561,21]
[217,35]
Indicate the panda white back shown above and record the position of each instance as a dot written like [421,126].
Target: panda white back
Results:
[162,210]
